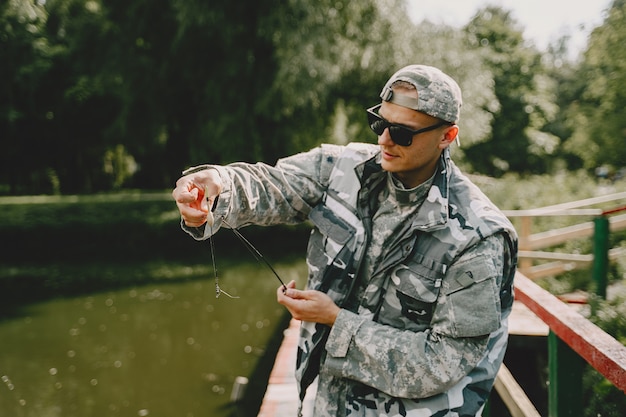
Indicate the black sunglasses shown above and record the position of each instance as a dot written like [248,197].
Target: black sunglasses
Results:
[401,135]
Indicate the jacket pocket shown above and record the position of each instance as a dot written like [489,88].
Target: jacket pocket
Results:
[331,225]
[410,298]
[328,253]
[470,305]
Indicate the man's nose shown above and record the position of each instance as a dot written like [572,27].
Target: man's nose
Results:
[385,138]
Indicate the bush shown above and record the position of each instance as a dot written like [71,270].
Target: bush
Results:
[600,396]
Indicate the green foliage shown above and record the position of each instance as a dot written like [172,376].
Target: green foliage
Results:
[597,122]
[25,58]
[610,315]
[516,142]
[600,396]
[516,192]
[110,95]
[319,49]
[167,84]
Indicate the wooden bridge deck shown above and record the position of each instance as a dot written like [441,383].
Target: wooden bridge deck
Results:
[281,397]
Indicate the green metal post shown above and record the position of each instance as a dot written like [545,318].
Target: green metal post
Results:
[487,408]
[601,254]
[565,379]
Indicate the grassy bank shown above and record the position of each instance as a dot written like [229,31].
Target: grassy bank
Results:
[59,246]
[55,245]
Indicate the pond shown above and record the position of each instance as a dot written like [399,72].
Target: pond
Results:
[156,350]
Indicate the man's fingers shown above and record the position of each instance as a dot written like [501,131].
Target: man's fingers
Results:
[281,292]
[296,294]
[195,194]
[192,216]
[194,222]
[183,196]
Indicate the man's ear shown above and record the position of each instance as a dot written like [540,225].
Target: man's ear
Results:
[449,135]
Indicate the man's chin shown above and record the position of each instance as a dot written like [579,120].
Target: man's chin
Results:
[388,166]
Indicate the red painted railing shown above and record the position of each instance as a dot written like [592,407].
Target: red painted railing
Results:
[572,338]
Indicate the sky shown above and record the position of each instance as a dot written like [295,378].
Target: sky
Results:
[544,21]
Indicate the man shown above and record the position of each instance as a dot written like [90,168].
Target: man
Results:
[410,266]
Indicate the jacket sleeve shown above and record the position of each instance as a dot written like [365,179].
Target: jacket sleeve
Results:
[264,195]
[410,364]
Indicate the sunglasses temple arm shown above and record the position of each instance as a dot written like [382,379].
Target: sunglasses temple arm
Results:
[254,251]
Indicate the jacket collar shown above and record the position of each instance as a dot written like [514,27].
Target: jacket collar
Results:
[433,214]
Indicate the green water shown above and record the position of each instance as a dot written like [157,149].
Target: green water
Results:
[155,350]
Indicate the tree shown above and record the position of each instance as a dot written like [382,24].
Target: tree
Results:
[405,42]
[128,93]
[517,142]
[136,91]
[596,118]
[25,56]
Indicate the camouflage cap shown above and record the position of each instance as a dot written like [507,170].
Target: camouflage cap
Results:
[438,95]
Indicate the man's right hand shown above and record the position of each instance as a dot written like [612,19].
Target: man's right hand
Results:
[194,195]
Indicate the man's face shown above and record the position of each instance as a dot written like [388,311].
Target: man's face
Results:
[415,163]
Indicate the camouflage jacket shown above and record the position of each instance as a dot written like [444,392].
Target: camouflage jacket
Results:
[437,333]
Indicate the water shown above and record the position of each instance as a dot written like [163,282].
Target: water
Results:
[157,350]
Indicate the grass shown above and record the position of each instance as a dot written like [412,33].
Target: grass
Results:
[64,246]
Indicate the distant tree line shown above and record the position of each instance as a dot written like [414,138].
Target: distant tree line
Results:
[101,95]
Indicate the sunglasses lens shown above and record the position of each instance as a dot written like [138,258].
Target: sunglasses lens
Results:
[377,124]
[400,135]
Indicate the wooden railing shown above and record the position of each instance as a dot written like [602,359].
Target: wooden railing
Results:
[529,243]
[572,339]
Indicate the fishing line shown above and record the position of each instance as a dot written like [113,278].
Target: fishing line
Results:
[251,248]
[254,251]
[218,290]
[210,221]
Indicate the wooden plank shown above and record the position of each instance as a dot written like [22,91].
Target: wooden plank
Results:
[559,208]
[568,257]
[546,213]
[577,231]
[616,253]
[599,349]
[525,233]
[513,396]
[558,236]
[564,263]
[549,269]
[281,396]
[617,223]
[523,322]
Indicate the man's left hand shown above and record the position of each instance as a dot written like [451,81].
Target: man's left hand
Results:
[308,305]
